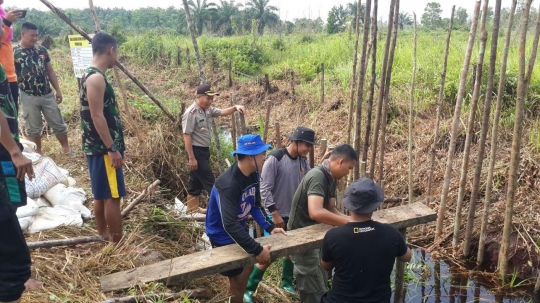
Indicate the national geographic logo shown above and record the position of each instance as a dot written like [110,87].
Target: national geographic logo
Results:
[358,230]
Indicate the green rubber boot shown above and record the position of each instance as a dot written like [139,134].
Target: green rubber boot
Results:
[254,279]
[287,276]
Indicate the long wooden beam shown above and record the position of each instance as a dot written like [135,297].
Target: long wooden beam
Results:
[229,257]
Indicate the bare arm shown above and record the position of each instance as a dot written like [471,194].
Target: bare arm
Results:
[332,208]
[406,257]
[229,111]
[95,90]
[54,79]
[23,164]
[189,146]
[328,266]
[320,214]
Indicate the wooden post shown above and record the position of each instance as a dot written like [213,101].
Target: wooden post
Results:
[362,169]
[323,146]
[140,197]
[267,120]
[179,56]
[278,136]
[233,123]
[64,242]
[221,163]
[353,80]
[266,84]
[369,114]
[243,129]
[411,114]
[399,295]
[293,92]
[230,73]
[322,83]
[312,158]
[188,59]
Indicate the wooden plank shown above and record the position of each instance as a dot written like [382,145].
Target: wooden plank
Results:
[226,258]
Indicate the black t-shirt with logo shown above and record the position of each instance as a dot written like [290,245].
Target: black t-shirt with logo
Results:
[363,254]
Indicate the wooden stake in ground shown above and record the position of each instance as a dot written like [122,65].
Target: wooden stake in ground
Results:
[399,294]
[381,92]
[373,81]
[386,89]
[233,123]
[455,122]
[516,144]
[494,136]
[221,162]
[267,120]
[411,116]
[439,106]
[470,124]
[147,191]
[202,77]
[230,73]
[278,136]
[322,83]
[353,80]
[360,92]
[485,128]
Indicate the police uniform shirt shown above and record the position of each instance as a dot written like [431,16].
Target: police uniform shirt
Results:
[197,122]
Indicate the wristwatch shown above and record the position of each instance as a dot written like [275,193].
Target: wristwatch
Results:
[112,149]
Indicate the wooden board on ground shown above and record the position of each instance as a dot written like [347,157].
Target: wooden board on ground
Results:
[226,258]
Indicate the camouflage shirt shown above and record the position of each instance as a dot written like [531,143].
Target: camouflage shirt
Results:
[32,75]
[91,141]
[10,111]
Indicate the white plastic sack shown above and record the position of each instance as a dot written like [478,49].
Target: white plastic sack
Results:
[28,146]
[52,217]
[25,222]
[69,197]
[42,202]
[47,175]
[29,210]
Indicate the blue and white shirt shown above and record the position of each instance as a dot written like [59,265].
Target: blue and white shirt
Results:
[233,198]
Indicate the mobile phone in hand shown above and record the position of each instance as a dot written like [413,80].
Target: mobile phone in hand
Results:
[23,13]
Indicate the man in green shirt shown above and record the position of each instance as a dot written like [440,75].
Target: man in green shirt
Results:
[315,202]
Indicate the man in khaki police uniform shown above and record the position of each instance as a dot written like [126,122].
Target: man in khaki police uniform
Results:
[196,125]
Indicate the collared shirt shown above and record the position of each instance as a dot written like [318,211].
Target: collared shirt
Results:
[32,74]
[197,122]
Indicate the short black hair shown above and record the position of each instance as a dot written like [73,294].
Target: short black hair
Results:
[102,42]
[344,151]
[241,157]
[29,26]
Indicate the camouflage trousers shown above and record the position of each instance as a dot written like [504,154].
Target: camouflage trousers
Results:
[311,278]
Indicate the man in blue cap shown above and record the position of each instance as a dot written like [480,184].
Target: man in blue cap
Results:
[362,251]
[234,196]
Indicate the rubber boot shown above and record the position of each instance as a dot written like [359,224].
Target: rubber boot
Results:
[193,205]
[254,280]
[287,276]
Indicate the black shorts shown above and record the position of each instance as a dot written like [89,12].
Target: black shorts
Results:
[231,273]
[203,177]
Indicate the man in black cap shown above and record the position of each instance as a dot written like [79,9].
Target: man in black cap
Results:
[282,172]
[362,251]
[196,125]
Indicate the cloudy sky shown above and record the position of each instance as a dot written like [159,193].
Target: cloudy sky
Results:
[289,9]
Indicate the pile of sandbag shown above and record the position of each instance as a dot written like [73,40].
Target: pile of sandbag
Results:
[53,200]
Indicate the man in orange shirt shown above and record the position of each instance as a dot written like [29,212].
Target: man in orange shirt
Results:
[6,51]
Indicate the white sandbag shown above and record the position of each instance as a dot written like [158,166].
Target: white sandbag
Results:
[28,146]
[71,182]
[179,207]
[25,222]
[52,217]
[83,210]
[47,175]
[30,209]
[64,171]
[68,196]
[42,202]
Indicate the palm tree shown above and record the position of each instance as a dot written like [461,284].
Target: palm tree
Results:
[202,12]
[404,19]
[264,13]
[227,11]
[352,9]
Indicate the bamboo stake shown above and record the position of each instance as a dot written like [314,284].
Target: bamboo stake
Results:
[411,115]
[532,58]
[439,106]
[118,64]
[494,135]
[322,83]
[221,162]
[470,124]
[516,144]
[360,92]
[387,89]
[372,82]
[455,122]
[267,121]
[353,80]
[233,122]
[64,242]
[139,198]
[400,276]
[485,128]
[189,294]
[194,41]
[278,135]
[381,92]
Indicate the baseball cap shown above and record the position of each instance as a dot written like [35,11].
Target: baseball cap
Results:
[363,196]
[251,145]
[206,89]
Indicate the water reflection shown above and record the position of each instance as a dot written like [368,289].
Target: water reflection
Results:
[429,281]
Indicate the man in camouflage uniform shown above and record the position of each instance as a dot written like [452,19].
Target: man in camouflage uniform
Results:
[35,75]
[103,139]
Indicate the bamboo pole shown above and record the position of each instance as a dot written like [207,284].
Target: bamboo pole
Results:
[455,122]
[62,16]
[278,135]
[64,242]
[267,120]
[360,92]
[411,115]
[381,92]
[470,124]
[233,123]
[387,89]
[516,145]
[532,58]
[485,128]
[494,136]
[439,106]
[139,198]
[202,77]
[353,80]
[372,82]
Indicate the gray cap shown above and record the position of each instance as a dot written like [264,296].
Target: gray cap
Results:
[363,196]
